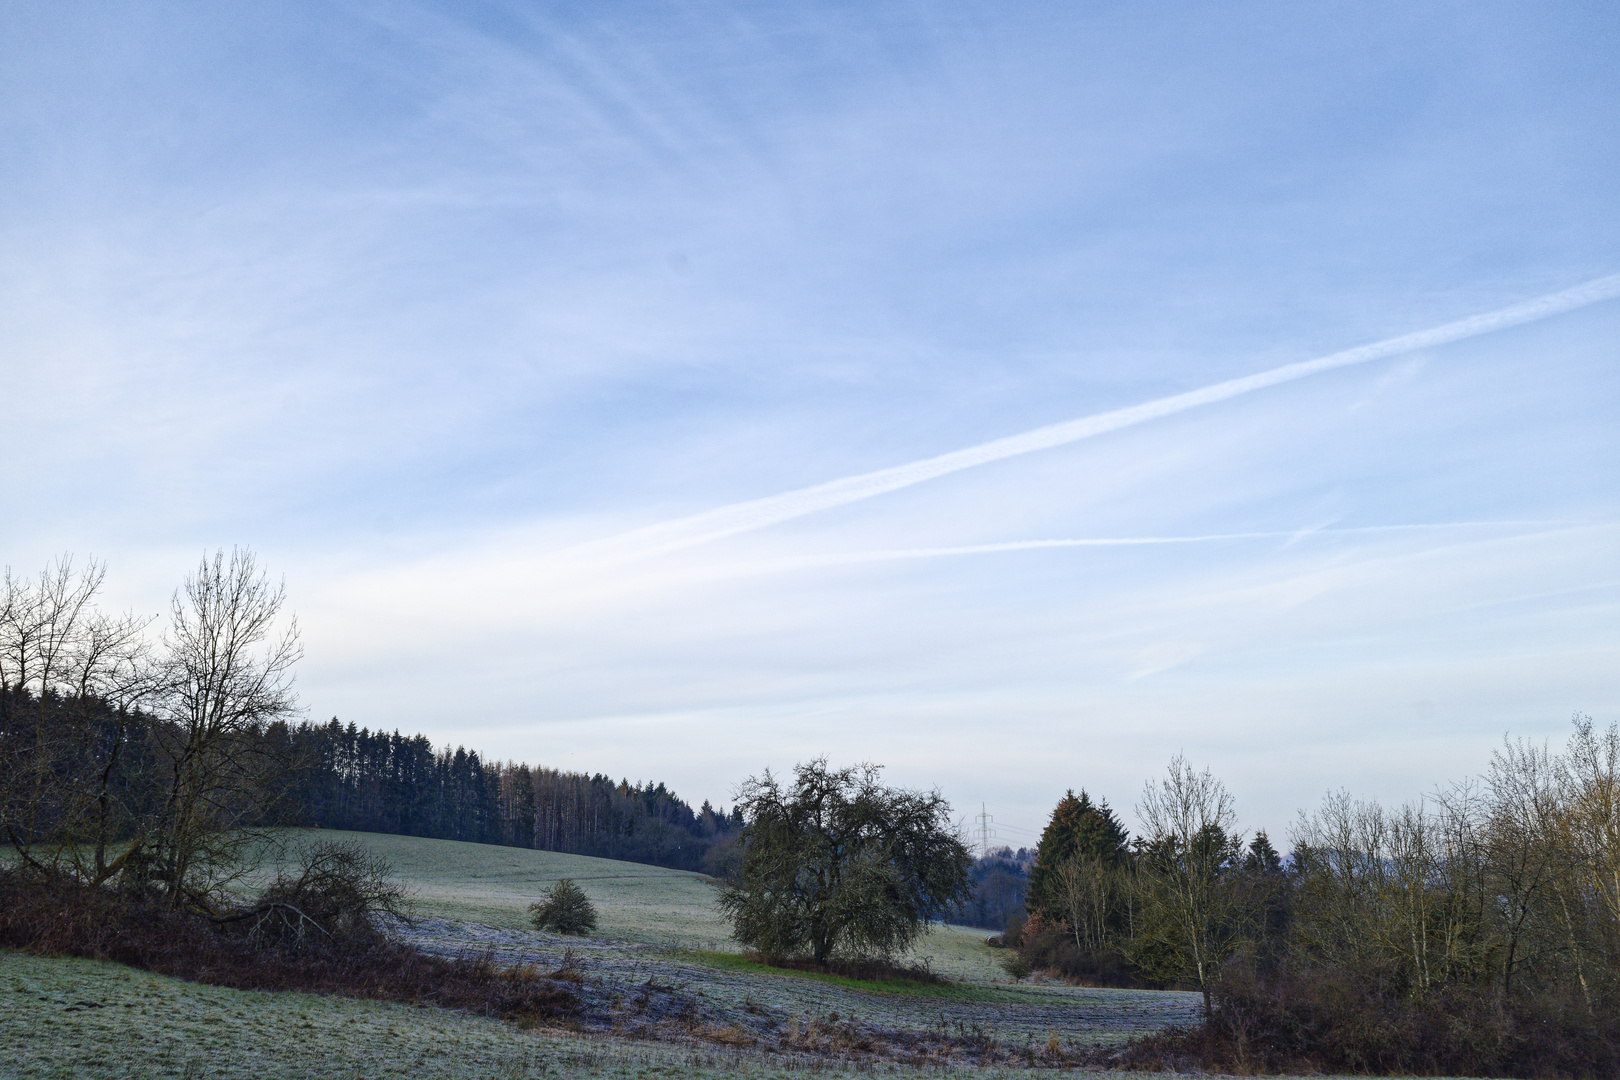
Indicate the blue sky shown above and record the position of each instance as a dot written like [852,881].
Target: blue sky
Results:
[434,305]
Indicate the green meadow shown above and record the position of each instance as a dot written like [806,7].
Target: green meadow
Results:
[659,929]
[493,886]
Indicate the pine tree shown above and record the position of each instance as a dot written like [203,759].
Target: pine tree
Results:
[563,909]
[1056,846]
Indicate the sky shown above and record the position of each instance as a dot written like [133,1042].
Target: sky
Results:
[676,391]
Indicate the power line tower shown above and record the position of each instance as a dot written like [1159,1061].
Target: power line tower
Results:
[986,833]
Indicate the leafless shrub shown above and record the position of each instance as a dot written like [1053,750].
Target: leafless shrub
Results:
[570,970]
[333,902]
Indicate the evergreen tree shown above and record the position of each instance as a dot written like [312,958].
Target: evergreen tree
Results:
[1078,828]
[1262,858]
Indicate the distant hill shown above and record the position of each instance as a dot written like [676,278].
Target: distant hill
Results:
[353,778]
[653,905]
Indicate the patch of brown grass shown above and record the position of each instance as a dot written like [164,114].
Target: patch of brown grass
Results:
[726,1035]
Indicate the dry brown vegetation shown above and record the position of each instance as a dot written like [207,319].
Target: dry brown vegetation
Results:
[62,917]
[865,969]
[1335,1021]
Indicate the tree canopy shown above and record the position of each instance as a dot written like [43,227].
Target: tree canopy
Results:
[839,865]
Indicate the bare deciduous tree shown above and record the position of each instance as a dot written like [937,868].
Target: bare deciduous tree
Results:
[227,674]
[81,691]
[1522,857]
[71,682]
[1372,887]
[1088,891]
[1589,831]
[1191,912]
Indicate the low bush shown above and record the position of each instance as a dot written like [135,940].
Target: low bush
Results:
[1015,965]
[332,904]
[1054,950]
[564,909]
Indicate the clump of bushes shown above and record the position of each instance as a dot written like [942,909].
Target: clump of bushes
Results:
[563,909]
[316,931]
[1034,946]
[1325,1020]
[1053,950]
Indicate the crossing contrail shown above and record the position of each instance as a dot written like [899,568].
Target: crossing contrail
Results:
[842,558]
[754,514]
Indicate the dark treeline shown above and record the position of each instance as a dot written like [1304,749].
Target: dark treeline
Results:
[1000,879]
[109,765]
[146,762]
[353,778]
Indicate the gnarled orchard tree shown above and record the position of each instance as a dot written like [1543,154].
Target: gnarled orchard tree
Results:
[839,865]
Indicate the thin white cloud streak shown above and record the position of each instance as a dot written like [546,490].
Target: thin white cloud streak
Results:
[564,591]
[1291,535]
[742,517]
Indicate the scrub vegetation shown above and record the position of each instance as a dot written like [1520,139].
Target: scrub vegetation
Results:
[633,1006]
[1476,931]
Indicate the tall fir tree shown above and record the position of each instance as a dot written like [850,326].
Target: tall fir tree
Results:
[1262,858]
[1078,828]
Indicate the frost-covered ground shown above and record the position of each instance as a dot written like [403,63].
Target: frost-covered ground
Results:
[663,992]
[70,1019]
[655,991]
[493,886]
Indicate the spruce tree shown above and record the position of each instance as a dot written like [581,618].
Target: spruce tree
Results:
[1078,828]
[1262,857]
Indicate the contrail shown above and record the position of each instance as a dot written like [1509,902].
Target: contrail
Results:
[890,554]
[744,517]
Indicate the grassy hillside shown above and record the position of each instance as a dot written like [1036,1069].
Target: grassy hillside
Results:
[492,885]
[85,1018]
[662,994]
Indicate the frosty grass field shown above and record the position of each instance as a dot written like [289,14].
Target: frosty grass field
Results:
[661,950]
